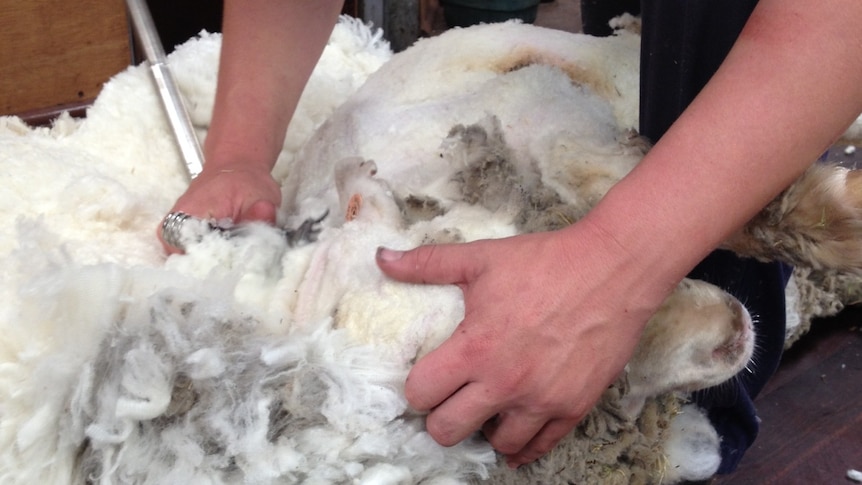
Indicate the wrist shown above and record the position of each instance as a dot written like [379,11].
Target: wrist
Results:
[233,154]
[629,242]
[246,132]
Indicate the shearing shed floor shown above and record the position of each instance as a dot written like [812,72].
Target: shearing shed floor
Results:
[811,410]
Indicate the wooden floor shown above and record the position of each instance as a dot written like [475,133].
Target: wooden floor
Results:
[811,410]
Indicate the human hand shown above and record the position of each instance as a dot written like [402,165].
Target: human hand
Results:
[549,324]
[242,194]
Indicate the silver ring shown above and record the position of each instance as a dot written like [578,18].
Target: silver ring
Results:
[172,229]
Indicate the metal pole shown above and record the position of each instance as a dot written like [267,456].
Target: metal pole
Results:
[178,117]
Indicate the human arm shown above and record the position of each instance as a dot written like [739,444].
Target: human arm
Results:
[552,318]
[269,49]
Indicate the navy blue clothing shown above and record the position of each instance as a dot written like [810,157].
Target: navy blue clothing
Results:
[596,14]
[730,406]
[683,43]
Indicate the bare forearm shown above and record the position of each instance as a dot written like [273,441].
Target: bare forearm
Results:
[790,86]
[269,49]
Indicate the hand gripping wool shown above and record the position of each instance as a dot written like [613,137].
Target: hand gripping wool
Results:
[249,361]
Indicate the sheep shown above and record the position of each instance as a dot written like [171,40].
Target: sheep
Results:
[403,117]
[249,360]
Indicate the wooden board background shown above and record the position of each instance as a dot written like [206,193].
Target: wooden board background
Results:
[57,53]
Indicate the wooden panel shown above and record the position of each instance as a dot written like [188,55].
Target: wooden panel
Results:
[54,52]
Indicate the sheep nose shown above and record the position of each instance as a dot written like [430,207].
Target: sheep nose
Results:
[741,318]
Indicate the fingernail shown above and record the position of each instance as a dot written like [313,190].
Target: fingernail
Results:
[388,255]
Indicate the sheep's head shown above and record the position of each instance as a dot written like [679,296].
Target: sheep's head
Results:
[700,337]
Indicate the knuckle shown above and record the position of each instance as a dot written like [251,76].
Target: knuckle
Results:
[551,407]
[510,389]
[506,446]
[542,447]
[515,385]
[473,351]
[440,430]
[573,415]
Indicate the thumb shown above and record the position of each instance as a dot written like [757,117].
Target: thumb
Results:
[435,264]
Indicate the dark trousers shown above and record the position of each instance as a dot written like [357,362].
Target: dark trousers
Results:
[595,14]
[683,43]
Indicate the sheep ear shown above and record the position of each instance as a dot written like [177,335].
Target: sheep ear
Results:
[815,223]
[362,194]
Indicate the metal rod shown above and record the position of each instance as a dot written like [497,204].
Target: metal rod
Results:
[181,125]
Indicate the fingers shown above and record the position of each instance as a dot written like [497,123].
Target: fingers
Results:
[452,381]
[522,437]
[443,382]
[509,432]
[460,405]
[240,195]
[259,210]
[170,231]
[169,248]
[461,415]
[436,377]
[537,446]
[434,264]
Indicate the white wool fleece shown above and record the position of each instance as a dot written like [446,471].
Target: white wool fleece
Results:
[81,201]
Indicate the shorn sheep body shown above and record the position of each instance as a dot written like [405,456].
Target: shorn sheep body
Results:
[249,361]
